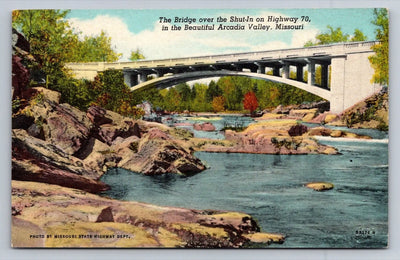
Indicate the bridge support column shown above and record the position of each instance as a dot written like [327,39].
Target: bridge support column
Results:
[299,73]
[261,69]
[311,73]
[351,80]
[142,77]
[130,78]
[286,71]
[338,84]
[275,71]
[324,75]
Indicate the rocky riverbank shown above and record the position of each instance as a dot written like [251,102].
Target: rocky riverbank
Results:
[45,215]
[57,148]
[58,155]
[59,144]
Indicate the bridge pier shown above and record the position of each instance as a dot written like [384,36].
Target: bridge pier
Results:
[142,77]
[286,71]
[275,71]
[130,78]
[299,73]
[311,73]
[324,75]
[261,69]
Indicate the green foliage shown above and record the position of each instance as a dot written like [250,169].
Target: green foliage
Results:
[126,109]
[213,91]
[50,37]
[230,89]
[335,36]
[380,61]
[53,43]
[94,48]
[136,55]
[358,36]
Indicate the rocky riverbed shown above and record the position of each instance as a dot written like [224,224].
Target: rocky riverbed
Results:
[59,154]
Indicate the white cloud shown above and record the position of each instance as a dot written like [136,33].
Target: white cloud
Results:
[158,44]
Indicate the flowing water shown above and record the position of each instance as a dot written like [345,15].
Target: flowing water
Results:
[271,189]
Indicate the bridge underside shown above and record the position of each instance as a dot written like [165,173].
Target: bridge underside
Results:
[171,80]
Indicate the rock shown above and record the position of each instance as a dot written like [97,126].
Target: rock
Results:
[330,118]
[63,125]
[373,112]
[67,127]
[99,156]
[37,160]
[22,121]
[97,116]
[320,186]
[105,215]
[20,74]
[20,77]
[52,96]
[36,131]
[301,113]
[50,209]
[112,125]
[158,154]
[155,133]
[330,150]
[336,133]
[281,110]
[298,130]
[207,126]
[319,119]
[266,238]
[320,131]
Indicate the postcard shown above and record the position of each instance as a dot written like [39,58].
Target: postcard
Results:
[200,128]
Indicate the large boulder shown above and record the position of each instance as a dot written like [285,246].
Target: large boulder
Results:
[298,130]
[207,126]
[111,125]
[34,159]
[157,153]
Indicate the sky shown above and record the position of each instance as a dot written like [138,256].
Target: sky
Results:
[132,29]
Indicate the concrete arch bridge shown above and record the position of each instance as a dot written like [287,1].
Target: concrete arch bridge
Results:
[350,70]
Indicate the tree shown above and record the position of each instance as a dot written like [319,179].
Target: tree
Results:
[358,36]
[54,42]
[250,101]
[335,36]
[136,55]
[218,103]
[94,48]
[380,61]
[213,91]
[50,37]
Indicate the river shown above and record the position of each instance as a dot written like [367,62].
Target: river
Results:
[271,189]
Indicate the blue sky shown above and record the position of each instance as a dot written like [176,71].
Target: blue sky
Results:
[131,29]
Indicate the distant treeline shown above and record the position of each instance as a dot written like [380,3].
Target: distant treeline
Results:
[227,93]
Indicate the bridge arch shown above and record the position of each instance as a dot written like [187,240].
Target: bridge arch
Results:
[174,79]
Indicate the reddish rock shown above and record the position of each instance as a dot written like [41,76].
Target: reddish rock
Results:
[97,116]
[298,130]
[37,160]
[112,125]
[204,127]
[105,215]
